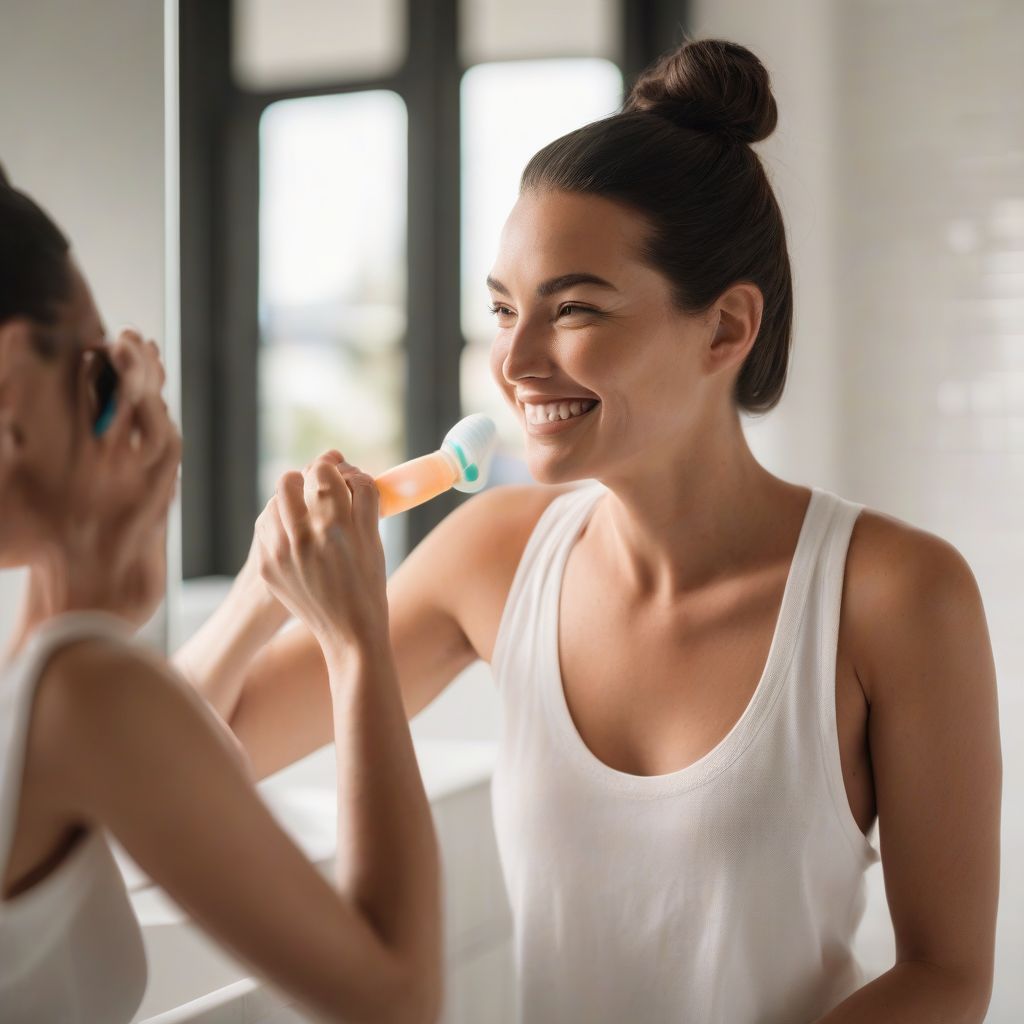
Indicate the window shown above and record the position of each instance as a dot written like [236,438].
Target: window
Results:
[332,281]
[305,42]
[345,171]
[497,30]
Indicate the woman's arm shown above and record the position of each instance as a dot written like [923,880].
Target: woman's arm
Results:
[282,706]
[121,742]
[928,673]
[445,598]
[216,657]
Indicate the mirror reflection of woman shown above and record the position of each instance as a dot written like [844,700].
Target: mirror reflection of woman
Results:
[714,681]
[98,736]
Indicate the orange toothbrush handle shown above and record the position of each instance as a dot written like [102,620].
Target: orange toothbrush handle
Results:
[415,482]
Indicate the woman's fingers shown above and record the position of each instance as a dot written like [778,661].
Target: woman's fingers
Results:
[127,354]
[163,480]
[153,351]
[365,500]
[151,430]
[270,536]
[292,507]
[326,496]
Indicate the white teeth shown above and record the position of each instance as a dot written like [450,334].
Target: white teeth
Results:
[552,412]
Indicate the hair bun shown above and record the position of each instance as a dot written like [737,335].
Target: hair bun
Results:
[709,85]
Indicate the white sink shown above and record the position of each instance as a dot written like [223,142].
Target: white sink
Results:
[185,966]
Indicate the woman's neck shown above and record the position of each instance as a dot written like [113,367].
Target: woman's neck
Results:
[706,513]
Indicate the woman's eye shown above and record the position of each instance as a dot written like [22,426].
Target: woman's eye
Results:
[572,308]
[499,310]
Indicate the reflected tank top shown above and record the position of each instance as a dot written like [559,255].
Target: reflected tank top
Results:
[71,950]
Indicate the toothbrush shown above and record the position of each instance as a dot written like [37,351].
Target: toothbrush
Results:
[462,462]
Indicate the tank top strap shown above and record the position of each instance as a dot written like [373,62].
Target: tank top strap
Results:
[530,592]
[830,578]
[18,682]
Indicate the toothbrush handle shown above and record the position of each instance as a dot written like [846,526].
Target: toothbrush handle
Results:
[412,483]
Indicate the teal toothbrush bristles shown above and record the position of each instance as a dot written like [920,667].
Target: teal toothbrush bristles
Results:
[472,443]
[105,418]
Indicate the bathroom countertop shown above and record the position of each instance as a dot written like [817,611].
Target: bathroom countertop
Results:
[302,798]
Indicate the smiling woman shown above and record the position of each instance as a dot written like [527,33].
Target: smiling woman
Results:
[714,681]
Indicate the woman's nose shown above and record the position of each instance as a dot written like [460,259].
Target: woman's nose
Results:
[528,353]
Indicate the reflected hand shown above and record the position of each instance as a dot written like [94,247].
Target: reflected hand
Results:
[111,554]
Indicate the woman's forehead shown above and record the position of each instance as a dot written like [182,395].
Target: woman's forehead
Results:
[551,233]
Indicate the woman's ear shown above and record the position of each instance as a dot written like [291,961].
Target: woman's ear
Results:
[739,310]
[15,339]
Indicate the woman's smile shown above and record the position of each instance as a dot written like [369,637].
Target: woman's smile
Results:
[554,417]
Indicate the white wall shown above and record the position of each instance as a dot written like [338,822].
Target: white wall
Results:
[932,310]
[904,123]
[795,40]
[82,131]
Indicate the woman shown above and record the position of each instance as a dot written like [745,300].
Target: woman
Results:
[98,736]
[713,680]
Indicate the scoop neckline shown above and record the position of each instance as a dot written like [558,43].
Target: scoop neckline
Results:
[746,726]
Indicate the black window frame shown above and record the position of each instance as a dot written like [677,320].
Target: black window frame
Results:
[219,166]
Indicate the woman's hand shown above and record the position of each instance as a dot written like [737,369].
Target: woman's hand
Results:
[110,554]
[319,551]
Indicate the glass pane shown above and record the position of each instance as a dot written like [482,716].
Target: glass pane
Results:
[302,42]
[509,111]
[332,281]
[493,30]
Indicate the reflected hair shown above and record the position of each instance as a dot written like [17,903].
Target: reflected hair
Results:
[35,274]
[679,153]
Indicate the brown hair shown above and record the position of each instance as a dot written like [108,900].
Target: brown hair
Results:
[35,276]
[678,152]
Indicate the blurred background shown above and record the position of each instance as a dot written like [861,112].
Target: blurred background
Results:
[302,200]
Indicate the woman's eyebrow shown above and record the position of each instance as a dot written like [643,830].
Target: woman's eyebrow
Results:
[556,284]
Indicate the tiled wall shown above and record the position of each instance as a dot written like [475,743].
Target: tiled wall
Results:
[930,287]
[899,164]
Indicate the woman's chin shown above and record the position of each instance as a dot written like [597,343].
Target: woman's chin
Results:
[547,468]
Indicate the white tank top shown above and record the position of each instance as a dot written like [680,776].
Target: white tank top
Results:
[727,892]
[70,946]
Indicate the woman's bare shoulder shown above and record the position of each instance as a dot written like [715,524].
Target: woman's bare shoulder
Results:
[464,568]
[492,528]
[902,585]
[107,695]
[87,677]
[505,516]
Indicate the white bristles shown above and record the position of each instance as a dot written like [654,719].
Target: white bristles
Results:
[472,442]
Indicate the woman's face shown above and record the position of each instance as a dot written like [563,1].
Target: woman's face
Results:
[39,422]
[601,367]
